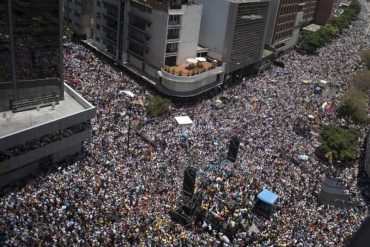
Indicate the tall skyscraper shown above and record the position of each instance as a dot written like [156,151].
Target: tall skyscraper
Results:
[309,9]
[284,25]
[36,107]
[324,11]
[31,50]
[235,31]
[79,16]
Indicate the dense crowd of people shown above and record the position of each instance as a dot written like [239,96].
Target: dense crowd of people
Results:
[115,196]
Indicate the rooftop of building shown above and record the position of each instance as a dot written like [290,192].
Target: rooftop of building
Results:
[12,123]
[189,69]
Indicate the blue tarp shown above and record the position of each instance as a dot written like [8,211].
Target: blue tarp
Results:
[267,197]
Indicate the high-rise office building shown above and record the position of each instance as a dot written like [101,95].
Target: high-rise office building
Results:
[309,10]
[324,11]
[284,24]
[151,35]
[109,27]
[79,16]
[31,50]
[235,31]
[184,47]
[41,119]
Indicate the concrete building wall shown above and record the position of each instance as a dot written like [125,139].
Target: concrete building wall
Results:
[214,27]
[188,87]
[158,37]
[28,134]
[98,36]
[106,33]
[297,28]
[309,10]
[184,86]
[234,31]
[26,90]
[23,165]
[189,33]
[154,46]
[78,14]
[251,18]
[324,11]
[274,5]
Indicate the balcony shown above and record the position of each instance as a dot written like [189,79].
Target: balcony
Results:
[185,81]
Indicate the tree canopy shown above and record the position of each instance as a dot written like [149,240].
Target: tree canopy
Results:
[361,81]
[158,106]
[365,56]
[311,41]
[341,143]
[353,107]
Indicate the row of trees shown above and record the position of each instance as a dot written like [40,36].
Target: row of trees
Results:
[342,143]
[353,107]
[310,41]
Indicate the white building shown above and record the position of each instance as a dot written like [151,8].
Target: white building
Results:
[79,16]
[156,39]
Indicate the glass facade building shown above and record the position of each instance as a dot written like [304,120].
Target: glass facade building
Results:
[31,58]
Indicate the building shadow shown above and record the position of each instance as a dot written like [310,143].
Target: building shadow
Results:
[363,180]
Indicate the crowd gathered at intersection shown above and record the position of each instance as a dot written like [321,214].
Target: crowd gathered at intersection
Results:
[110,195]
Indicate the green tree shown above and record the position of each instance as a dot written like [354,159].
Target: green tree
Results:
[328,31]
[361,81]
[158,106]
[365,56]
[310,41]
[340,22]
[353,107]
[340,142]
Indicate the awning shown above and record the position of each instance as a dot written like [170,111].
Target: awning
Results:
[201,59]
[267,197]
[182,120]
[128,93]
[192,60]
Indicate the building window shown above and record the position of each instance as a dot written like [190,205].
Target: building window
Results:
[141,7]
[172,47]
[112,23]
[170,61]
[137,35]
[174,20]
[173,33]
[139,22]
[136,48]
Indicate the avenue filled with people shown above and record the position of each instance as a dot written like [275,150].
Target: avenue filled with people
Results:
[114,196]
